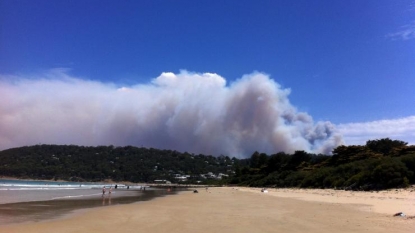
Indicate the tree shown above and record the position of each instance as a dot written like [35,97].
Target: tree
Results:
[347,154]
[385,145]
[258,160]
[391,173]
[277,161]
[297,158]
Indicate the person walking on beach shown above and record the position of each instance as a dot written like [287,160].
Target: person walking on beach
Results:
[103,191]
[109,192]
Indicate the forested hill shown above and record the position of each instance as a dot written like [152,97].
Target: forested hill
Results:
[79,163]
[379,164]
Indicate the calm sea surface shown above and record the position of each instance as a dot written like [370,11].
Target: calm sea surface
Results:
[22,201]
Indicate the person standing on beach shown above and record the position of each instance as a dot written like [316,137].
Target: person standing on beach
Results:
[109,192]
[103,191]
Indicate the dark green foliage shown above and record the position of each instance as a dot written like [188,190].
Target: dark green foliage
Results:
[297,159]
[380,164]
[320,178]
[128,163]
[391,173]
[347,154]
[294,179]
[277,162]
[258,160]
[409,161]
[386,146]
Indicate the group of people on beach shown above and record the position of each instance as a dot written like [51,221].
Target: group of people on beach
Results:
[104,190]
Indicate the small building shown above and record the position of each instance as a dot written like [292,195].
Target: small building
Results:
[162,182]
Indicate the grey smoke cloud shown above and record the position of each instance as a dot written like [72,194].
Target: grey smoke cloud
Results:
[193,112]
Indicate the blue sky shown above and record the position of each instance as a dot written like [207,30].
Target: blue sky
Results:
[347,62]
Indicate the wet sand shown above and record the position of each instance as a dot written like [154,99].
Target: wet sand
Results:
[238,210]
[36,211]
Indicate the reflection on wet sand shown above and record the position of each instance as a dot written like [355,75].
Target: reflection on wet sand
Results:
[44,210]
[106,199]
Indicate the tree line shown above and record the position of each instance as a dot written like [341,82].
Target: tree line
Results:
[379,164]
[87,163]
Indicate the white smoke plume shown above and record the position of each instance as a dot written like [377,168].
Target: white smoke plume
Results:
[193,112]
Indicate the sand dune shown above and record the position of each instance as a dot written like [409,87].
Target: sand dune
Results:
[244,210]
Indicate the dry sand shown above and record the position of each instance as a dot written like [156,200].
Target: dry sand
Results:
[244,210]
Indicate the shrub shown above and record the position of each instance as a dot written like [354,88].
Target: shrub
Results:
[391,173]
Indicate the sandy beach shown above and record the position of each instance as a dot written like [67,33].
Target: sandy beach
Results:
[244,210]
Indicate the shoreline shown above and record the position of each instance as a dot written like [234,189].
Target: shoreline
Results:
[50,209]
[227,209]
[107,181]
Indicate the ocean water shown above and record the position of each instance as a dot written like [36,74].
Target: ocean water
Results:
[14,191]
[23,201]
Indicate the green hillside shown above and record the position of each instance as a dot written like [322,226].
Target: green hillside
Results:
[380,164]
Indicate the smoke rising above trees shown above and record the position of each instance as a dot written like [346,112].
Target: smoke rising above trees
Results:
[193,112]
